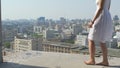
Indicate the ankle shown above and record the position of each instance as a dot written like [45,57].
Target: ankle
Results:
[106,62]
[91,60]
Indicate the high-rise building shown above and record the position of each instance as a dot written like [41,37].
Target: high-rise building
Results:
[116,19]
[62,21]
[41,21]
[40,24]
[19,29]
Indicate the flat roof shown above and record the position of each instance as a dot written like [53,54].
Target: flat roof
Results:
[38,59]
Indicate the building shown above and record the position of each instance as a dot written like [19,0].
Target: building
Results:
[116,19]
[58,28]
[41,21]
[118,43]
[40,25]
[52,47]
[51,34]
[20,29]
[8,35]
[51,24]
[63,20]
[60,47]
[77,28]
[38,29]
[66,34]
[117,27]
[116,40]
[24,44]
[81,39]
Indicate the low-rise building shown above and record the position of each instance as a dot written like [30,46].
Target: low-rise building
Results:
[25,44]
[118,43]
[61,47]
[81,39]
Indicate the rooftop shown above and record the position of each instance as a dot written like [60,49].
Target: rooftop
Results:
[37,59]
[61,44]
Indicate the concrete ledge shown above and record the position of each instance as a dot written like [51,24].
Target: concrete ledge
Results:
[1,60]
[34,59]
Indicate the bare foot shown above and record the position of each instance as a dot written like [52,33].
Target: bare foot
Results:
[103,64]
[89,62]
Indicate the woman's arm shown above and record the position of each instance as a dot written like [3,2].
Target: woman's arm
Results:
[109,5]
[99,10]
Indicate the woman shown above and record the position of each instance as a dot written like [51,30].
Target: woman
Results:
[101,29]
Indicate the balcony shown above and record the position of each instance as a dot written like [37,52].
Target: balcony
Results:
[38,59]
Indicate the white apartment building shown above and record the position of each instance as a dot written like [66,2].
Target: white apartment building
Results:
[81,40]
[22,44]
[117,27]
[58,28]
[117,34]
[77,28]
[66,34]
[38,29]
[51,34]
[119,44]
[117,37]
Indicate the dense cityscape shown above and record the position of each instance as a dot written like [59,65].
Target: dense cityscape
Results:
[54,34]
[63,35]
[48,43]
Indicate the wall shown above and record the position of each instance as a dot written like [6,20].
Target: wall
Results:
[0,36]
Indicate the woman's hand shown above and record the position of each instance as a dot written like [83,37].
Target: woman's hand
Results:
[90,25]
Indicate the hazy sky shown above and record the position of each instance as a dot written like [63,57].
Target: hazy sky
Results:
[19,9]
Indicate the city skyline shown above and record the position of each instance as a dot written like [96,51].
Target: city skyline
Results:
[32,9]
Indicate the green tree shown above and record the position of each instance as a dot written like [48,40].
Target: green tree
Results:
[7,44]
[37,36]
[69,41]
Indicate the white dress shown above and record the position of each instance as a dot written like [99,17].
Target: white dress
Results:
[102,28]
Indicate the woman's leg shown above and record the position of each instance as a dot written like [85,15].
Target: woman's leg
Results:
[91,52]
[104,51]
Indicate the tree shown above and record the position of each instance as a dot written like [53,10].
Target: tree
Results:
[37,36]
[7,44]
